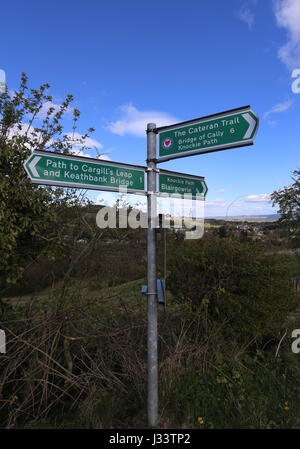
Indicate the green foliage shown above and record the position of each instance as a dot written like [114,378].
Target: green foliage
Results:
[78,358]
[241,392]
[232,283]
[29,215]
[74,356]
[288,200]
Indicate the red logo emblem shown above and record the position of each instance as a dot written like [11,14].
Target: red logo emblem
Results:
[167,142]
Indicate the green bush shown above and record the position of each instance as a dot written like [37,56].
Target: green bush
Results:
[233,283]
[251,392]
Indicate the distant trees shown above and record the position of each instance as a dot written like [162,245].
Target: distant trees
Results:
[288,200]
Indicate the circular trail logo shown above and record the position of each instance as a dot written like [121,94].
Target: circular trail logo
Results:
[167,143]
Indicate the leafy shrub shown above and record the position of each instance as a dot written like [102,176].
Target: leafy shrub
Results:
[232,283]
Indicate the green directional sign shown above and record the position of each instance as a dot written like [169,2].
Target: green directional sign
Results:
[57,169]
[218,132]
[179,183]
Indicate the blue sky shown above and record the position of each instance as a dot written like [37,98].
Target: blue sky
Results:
[131,62]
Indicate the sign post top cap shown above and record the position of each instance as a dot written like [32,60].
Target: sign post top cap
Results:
[151,126]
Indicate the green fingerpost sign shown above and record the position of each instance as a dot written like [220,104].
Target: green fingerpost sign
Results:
[178,183]
[81,172]
[235,128]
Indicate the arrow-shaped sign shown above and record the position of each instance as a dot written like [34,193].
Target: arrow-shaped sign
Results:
[252,124]
[44,167]
[173,183]
[230,129]
[32,165]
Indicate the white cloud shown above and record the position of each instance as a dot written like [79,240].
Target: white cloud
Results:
[80,153]
[246,15]
[2,76]
[45,106]
[243,205]
[104,157]
[110,198]
[261,198]
[88,142]
[2,82]
[77,149]
[222,207]
[50,104]
[287,14]
[134,121]
[21,129]
[219,207]
[278,108]
[106,198]
[219,202]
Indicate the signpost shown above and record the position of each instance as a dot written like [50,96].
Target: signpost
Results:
[64,170]
[231,129]
[180,183]
[152,361]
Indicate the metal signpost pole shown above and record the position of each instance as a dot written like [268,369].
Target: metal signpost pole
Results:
[152,404]
[164,256]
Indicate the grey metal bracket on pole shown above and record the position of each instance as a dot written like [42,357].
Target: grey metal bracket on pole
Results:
[156,170]
[161,291]
[152,360]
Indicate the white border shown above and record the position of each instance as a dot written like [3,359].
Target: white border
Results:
[182,175]
[208,149]
[84,186]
